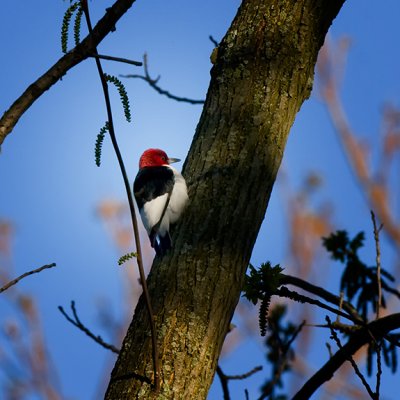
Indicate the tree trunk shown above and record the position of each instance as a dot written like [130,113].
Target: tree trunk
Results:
[263,72]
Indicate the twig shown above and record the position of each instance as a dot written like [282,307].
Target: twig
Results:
[213,41]
[268,388]
[294,336]
[34,271]
[226,378]
[77,322]
[139,258]
[283,361]
[341,298]
[378,263]
[328,346]
[98,339]
[378,302]
[324,294]
[341,327]
[64,64]
[245,375]
[153,83]
[378,305]
[335,337]
[118,59]
[377,328]
[224,383]
[379,368]
[285,292]
[29,354]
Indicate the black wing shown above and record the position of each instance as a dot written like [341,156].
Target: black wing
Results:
[152,182]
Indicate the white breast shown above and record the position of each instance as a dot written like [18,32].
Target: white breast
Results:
[177,202]
[152,210]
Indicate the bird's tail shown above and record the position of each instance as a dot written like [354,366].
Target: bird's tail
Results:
[160,243]
[164,244]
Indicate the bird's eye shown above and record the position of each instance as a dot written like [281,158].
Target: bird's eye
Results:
[163,158]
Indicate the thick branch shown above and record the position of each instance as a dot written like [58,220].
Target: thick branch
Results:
[378,329]
[262,74]
[84,50]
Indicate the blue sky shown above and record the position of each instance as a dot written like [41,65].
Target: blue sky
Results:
[50,186]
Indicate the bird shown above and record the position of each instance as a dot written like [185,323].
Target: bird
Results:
[161,196]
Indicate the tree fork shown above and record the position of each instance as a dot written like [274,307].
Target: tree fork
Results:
[262,74]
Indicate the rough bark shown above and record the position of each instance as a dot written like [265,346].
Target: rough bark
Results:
[262,74]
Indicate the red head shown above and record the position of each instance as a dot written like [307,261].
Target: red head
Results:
[155,158]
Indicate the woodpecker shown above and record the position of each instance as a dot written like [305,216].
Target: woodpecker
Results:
[161,195]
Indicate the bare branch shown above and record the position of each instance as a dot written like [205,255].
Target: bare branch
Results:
[341,298]
[213,41]
[335,337]
[378,263]
[379,368]
[82,51]
[379,328]
[226,378]
[245,375]
[153,83]
[283,362]
[285,292]
[224,383]
[77,322]
[324,294]
[98,339]
[117,59]
[34,271]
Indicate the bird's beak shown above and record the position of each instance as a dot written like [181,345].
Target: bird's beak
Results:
[173,160]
